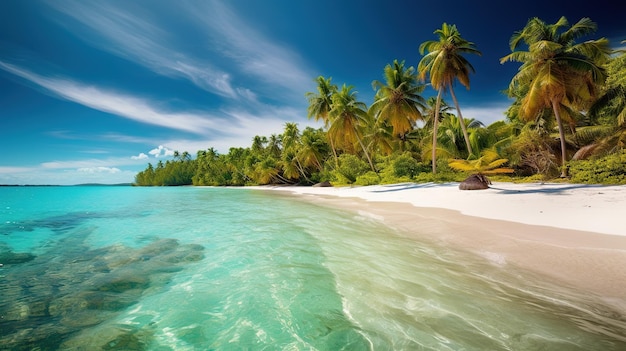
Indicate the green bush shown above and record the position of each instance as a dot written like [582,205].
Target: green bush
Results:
[610,169]
[350,167]
[406,166]
[369,178]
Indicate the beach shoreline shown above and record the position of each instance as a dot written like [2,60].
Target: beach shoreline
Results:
[567,232]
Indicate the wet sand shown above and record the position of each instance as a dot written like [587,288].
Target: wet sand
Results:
[530,226]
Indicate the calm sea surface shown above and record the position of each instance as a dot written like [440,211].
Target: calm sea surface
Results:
[125,268]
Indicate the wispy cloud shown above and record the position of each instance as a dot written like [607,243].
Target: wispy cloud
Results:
[130,107]
[105,171]
[129,33]
[10,169]
[100,169]
[255,54]
[108,162]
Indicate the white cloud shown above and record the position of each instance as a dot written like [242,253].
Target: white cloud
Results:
[10,170]
[130,107]
[141,156]
[487,114]
[98,170]
[91,163]
[161,151]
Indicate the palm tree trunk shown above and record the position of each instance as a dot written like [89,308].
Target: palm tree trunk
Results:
[301,170]
[369,159]
[557,115]
[332,147]
[435,127]
[462,121]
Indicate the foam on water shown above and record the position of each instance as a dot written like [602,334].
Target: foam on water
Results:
[230,269]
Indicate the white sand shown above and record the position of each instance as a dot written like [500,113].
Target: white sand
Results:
[574,234]
[599,209]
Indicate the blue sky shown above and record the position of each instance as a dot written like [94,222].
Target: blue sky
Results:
[91,91]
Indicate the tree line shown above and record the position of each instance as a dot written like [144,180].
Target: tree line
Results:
[568,116]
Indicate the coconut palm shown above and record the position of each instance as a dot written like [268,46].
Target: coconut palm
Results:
[556,73]
[430,112]
[312,149]
[348,118]
[610,110]
[321,103]
[398,101]
[452,132]
[445,63]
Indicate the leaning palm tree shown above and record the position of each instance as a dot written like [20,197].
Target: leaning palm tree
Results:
[348,119]
[445,63]
[398,102]
[556,73]
[321,103]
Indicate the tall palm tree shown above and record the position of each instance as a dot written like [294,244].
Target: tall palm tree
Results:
[398,101]
[321,103]
[348,117]
[430,112]
[556,72]
[445,63]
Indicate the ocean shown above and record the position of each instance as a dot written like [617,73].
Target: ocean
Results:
[202,268]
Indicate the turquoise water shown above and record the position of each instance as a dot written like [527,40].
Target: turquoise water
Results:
[124,268]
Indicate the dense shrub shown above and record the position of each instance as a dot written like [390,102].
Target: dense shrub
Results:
[369,178]
[610,169]
[407,166]
[350,167]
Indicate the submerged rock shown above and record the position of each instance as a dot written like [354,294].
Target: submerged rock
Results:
[110,337]
[9,257]
[62,292]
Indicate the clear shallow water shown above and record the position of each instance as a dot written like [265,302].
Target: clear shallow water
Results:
[121,268]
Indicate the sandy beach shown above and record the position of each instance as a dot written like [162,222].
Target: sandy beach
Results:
[572,234]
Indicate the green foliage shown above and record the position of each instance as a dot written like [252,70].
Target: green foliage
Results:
[488,163]
[173,173]
[350,167]
[406,166]
[369,178]
[610,169]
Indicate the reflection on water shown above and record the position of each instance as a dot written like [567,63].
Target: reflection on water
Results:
[231,269]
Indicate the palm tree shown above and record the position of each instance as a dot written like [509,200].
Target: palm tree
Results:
[398,101]
[430,112]
[451,133]
[321,103]
[312,148]
[445,63]
[292,166]
[556,73]
[348,118]
[610,109]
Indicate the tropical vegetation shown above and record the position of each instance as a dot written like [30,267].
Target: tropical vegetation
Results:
[567,120]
